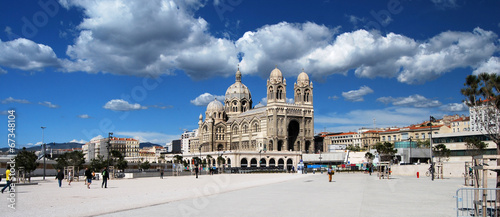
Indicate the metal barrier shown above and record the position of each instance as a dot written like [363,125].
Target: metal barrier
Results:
[473,201]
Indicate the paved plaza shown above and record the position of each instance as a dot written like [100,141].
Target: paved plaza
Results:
[241,195]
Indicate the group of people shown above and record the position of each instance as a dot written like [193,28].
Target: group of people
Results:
[89,175]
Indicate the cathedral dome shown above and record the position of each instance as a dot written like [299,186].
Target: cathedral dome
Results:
[276,76]
[238,90]
[303,79]
[215,106]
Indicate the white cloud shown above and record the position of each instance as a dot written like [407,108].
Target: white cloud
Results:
[333,97]
[447,3]
[283,44]
[84,116]
[153,37]
[97,138]
[12,100]
[357,95]
[27,55]
[288,100]
[492,66]
[455,107]
[204,99]
[81,141]
[48,104]
[153,137]
[122,105]
[3,71]
[416,101]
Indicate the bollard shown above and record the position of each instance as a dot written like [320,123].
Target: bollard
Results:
[418,174]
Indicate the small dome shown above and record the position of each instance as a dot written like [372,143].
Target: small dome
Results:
[215,106]
[303,79]
[276,76]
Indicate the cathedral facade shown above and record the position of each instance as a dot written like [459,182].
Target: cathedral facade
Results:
[242,135]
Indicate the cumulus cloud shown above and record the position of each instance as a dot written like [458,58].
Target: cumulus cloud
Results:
[162,36]
[97,138]
[153,37]
[204,99]
[81,141]
[84,116]
[27,55]
[492,66]
[455,107]
[48,104]
[12,100]
[447,3]
[357,95]
[416,101]
[122,105]
[284,44]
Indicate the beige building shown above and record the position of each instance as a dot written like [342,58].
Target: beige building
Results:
[128,147]
[260,136]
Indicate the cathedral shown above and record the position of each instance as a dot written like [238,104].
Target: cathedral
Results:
[242,135]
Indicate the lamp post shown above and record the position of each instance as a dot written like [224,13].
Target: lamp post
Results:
[431,119]
[109,144]
[409,158]
[260,158]
[320,168]
[43,153]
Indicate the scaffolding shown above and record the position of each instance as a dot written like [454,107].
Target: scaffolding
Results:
[480,181]
[74,176]
[384,170]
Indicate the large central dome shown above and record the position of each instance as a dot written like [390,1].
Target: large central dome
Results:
[238,90]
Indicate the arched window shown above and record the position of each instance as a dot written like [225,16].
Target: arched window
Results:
[245,128]
[243,106]
[306,96]
[255,127]
[220,133]
[279,93]
[235,130]
[271,92]
[235,106]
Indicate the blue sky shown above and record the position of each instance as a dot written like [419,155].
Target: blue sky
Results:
[147,69]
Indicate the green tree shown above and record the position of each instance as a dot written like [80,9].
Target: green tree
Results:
[177,158]
[386,150]
[145,165]
[441,151]
[97,164]
[121,164]
[369,156]
[475,146]
[74,158]
[26,159]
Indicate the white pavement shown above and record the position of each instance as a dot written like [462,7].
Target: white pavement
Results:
[240,195]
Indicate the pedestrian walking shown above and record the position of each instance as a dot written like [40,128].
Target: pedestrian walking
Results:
[161,174]
[196,170]
[105,177]
[59,177]
[7,178]
[330,173]
[70,177]
[88,176]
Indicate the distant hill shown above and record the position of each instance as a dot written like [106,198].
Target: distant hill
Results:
[69,145]
[66,145]
[148,144]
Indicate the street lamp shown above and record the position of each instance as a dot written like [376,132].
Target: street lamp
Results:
[260,158]
[409,158]
[43,146]
[431,119]
[320,168]
[109,144]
